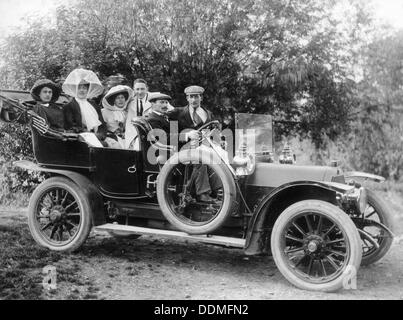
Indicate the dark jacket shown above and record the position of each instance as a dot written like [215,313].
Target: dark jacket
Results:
[157,121]
[73,120]
[182,115]
[53,114]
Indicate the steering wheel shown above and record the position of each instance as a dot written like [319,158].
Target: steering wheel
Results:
[203,136]
[209,124]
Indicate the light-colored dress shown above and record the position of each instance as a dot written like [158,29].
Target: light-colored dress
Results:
[115,117]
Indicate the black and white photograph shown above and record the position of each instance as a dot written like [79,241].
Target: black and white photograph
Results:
[201,154]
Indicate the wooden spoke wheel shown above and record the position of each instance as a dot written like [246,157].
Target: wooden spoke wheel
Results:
[59,215]
[177,197]
[316,246]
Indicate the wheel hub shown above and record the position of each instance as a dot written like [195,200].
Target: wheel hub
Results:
[314,244]
[57,214]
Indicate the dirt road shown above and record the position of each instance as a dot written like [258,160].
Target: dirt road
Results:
[155,268]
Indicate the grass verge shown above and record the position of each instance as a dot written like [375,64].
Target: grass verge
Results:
[22,262]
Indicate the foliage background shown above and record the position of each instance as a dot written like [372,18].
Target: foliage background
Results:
[336,78]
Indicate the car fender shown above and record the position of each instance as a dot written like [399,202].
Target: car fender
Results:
[364,176]
[255,241]
[90,190]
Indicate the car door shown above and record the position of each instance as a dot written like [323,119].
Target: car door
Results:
[118,172]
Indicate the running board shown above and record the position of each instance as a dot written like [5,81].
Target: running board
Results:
[225,241]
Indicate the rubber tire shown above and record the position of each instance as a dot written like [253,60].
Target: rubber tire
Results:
[220,169]
[386,218]
[336,215]
[85,208]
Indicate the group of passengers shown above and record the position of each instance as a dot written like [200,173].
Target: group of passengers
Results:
[120,105]
[112,124]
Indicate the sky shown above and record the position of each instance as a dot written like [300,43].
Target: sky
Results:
[390,11]
[12,12]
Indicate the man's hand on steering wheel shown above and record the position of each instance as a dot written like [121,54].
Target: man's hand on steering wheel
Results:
[212,125]
[205,134]
[194,135]
[199,135]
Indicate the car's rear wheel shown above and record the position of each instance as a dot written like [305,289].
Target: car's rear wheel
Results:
[375,216]
[316,246]
[59,215]
[176,192]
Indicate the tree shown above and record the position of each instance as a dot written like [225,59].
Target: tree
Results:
[279,57]
[292,59]
[376,141]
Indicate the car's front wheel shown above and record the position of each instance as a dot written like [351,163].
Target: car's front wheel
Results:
[316,246]
[59,215]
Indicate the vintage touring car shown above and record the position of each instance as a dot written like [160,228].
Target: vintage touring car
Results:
[318,223]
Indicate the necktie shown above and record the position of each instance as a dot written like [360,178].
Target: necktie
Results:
[140,109]
[196,118]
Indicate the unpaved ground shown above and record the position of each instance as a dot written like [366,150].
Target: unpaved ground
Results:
[155,268]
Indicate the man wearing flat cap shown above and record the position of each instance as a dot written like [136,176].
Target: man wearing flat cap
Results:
[158,118]
[139,106]
[192,117]
[159,122]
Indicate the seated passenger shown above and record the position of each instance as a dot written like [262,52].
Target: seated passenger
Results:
[45,92]
[193,117]
[159,122]
[81,114]
[158,118]
[115,113]
[138,106]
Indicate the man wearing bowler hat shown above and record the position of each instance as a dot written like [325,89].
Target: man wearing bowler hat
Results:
[192,117]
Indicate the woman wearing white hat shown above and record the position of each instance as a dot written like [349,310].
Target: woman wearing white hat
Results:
[114,113]
[81,114]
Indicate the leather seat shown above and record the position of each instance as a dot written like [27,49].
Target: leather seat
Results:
[144,128]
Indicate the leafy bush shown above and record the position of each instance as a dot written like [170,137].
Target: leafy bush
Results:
[16,184]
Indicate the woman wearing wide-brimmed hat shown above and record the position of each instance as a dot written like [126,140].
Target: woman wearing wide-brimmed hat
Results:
[45,92]
[115,113]
[82,114]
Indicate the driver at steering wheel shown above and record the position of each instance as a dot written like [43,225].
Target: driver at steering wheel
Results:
[193,117]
